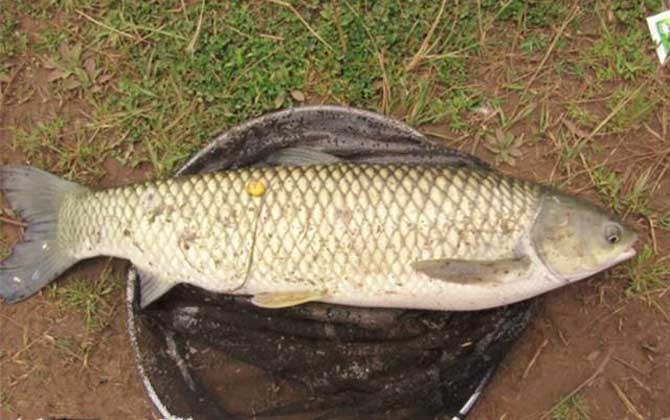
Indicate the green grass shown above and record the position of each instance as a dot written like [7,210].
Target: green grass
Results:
[574,408]
[88,297]
[162,84]
[158,85]
[33,143]
[5,401]
[568,152]
[535,42]
[49,39]
[533,13]
[637,111]
[648,278]
[67,150]
[611,188]
[247,59]
[505,146]
[582,115]
[664,221]
[12,41]
[646,274]
[617,54]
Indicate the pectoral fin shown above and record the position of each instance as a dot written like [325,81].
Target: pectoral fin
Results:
[286,299]
[473,272]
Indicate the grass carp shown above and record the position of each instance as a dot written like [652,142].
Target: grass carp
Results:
[310,227]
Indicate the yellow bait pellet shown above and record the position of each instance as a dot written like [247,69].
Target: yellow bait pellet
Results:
[255,188]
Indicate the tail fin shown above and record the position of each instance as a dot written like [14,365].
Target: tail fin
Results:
[38,258]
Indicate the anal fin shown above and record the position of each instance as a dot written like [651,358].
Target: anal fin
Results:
[286,299]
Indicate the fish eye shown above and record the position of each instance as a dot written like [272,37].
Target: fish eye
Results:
[613,233]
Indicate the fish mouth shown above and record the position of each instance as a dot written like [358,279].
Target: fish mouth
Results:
[625,255]
[628,253]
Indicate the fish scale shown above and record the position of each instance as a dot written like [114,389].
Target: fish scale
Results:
[352,230]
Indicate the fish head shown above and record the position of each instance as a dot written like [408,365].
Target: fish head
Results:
[575,238]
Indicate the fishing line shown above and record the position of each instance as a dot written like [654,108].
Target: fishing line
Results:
[253,246]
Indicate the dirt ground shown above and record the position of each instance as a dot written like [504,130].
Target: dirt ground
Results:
[591,339]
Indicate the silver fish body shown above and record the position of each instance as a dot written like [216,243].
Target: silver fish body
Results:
[408,236]
[351,231]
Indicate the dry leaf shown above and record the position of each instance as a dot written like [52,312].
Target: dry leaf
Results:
[506,147]
[75,53]
[64,49]
[70,84]
[574,129]
[279,101]
[298,95]
[70,54]
[57,74]
[48,64]
[104,78]
[89,65]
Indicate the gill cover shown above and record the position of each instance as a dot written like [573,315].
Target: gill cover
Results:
[575,239]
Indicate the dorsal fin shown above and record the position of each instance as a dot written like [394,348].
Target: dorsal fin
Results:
[300,156]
